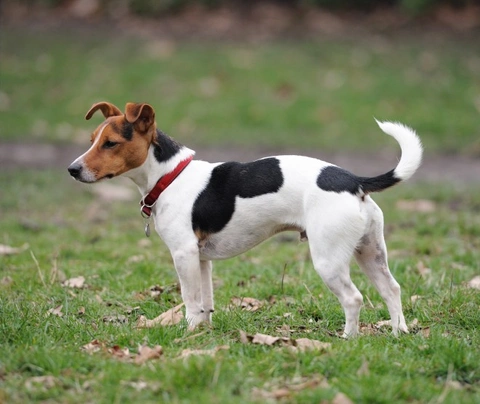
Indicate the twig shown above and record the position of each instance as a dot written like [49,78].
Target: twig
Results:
[38,268]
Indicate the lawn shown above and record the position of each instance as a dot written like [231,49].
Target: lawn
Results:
[65,344]
[66,230]
[322,94]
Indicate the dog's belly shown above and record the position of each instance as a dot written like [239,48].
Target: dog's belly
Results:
[223,245]
[254,221]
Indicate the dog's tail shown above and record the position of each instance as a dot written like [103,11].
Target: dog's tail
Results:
[410,160]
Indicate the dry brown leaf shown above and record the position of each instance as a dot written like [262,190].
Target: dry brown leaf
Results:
[42,383]
[93,346]
[414,298]
[81,311]
[474,283]
[8,250]
[57,311]
[186,353]
[276,394]
[119,352]
[146,353]
[247,303]
[306,344]
[6,281]
[341,398]
[296,345]
[170,317]
[75,283]
[363,370]
[263,339]
[425,332]
[423,270]
[116,319]
[383,323]
[418,205]
[288,388]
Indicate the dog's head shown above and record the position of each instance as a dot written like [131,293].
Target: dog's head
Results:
[119,144]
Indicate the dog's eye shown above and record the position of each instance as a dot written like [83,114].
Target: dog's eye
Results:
[109,145]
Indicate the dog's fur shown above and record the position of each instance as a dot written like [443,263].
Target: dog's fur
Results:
[218,210]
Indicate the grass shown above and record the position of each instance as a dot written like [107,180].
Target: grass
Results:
[291,94]
[320,94]
[81,235]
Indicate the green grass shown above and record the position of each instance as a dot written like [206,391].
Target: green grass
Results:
[321,94]
[68,228]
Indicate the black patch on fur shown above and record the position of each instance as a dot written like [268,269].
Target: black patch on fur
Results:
[127,130]
[336,179]
[165,147]
[215,205]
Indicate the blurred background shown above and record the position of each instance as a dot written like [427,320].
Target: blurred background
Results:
[240,79]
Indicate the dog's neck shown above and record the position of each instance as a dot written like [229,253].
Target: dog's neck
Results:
[163,156]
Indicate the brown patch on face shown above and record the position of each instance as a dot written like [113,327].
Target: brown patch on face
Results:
[112,154]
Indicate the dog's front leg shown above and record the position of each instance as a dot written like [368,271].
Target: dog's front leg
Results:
[207,289]
[187,264]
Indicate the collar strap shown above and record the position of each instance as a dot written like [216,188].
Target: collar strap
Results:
[150,199]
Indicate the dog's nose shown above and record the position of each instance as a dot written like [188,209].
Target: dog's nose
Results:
[75,169]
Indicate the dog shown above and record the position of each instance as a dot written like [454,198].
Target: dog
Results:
[210,211]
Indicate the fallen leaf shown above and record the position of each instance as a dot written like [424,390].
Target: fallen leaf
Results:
[93,346]
[425,332]
[57,311]
[8,250]
[276,394]
[286,389]
[75,283]
[146,353]
[296,345]
[247,303]
[134,259]
[42,383]
[423,270]
[119,352]
[186,353]
[6,281]
[474,283]
[341,398]
[418,205]
[138,386]
[116,319]
[81,311]
[306,344]
[414,298]
[263,339]
[170,317]
[383,323]
[363,370]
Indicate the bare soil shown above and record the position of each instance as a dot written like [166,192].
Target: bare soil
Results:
[455,169]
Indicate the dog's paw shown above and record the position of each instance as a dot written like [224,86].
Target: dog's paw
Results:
[196,319]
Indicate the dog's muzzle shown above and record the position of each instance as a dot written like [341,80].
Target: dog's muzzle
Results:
[75,170]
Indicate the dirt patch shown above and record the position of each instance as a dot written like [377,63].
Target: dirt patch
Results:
[435,168]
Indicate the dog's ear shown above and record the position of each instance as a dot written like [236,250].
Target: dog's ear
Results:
[107,109]
[141,115]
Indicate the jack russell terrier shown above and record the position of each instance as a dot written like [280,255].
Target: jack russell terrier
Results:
[210,211]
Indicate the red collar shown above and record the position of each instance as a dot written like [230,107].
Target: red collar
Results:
[149,201]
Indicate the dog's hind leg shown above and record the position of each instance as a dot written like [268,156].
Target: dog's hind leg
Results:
[207,289]
[371,255]
[331,246]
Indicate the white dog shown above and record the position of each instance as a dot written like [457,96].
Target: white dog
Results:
[209,211]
